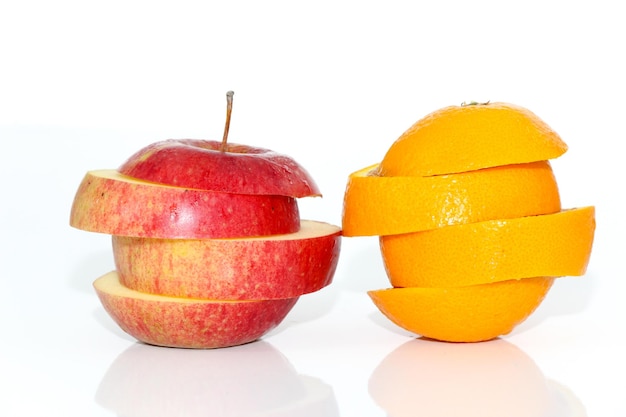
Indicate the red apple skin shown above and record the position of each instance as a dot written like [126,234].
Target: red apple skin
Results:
[236,269]
[187,323]
[199,164]
[108,202]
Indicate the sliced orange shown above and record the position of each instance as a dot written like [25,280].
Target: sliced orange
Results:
[376,205]
[466,138]
[471,228]
[464,314]
[497,250]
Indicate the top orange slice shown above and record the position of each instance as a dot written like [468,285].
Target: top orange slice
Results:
[470,137]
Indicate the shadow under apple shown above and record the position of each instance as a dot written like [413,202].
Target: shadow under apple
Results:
[493,378]
[252,379]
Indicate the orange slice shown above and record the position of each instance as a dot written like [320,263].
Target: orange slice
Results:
[463,314]
[375,205]
[466,138]
[496,250]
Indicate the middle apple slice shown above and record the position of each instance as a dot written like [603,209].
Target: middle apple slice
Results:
[251,268]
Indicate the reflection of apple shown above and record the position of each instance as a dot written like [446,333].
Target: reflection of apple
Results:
[249,380]
[187,322]
[208,241]
[200,164]
[108,202]
[279,266]
[494,378]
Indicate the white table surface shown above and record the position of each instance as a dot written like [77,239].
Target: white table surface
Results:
[83,88]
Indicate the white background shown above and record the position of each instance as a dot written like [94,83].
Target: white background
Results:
[85,84]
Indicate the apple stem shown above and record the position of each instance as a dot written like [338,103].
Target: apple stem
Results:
[229,110]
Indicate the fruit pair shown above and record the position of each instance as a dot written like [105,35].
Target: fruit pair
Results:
[209,247]
[469,216]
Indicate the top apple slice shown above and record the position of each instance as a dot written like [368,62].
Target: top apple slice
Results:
[200,164]
[109,202]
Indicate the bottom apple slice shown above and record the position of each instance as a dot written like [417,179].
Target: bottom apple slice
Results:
[185,322]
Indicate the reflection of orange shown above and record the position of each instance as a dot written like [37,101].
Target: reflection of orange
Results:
[463,314]
[492,379]
[470,221]
[497,250]
[375,205]
[466,138]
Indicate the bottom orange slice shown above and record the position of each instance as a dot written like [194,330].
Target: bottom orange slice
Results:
[463,314]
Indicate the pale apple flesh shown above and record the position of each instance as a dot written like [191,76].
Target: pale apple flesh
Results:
[188,323]
[272,267]
[109,202]
[199,164]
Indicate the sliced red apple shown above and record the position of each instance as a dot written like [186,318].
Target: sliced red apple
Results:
[108,202]
[280,266]
[188,323]
[200,164]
